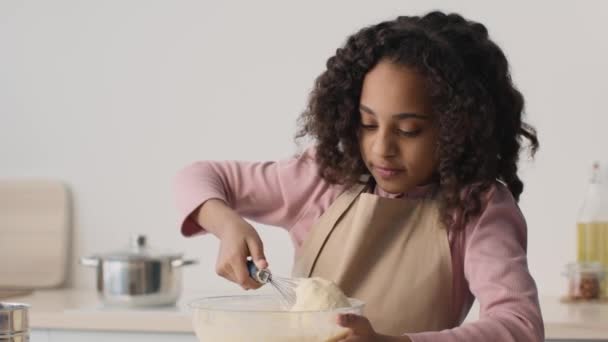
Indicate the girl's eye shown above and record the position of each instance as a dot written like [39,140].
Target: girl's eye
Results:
[405,133]
[409,133]
[368,127]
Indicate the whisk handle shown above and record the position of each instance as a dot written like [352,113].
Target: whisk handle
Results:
[261,276]
[252,268]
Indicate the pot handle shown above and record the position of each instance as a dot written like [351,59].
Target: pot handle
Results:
[181,262]
[89,261]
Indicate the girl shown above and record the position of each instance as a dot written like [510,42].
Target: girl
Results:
[408,198]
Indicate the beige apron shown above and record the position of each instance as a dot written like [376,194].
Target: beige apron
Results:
[391,253]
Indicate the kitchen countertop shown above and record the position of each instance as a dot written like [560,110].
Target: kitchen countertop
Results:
[568,321]
[80,310]
[72,309]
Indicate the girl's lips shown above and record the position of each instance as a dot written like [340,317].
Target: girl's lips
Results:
[387,172]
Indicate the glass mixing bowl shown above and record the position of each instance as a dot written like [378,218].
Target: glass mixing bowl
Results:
[260,318]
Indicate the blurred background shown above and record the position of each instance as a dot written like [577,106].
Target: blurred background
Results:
[113,97]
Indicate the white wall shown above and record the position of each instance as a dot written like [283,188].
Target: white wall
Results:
[113,97]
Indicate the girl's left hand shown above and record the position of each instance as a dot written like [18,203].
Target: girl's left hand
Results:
[361,330]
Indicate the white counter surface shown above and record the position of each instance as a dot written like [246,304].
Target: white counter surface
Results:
[81,310]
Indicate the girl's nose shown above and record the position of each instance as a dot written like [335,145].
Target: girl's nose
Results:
[384,144]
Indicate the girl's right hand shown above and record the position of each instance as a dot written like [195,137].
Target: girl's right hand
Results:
[238,241]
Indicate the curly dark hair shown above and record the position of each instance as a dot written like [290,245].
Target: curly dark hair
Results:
[479,109]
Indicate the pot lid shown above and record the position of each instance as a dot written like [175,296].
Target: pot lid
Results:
[138,249]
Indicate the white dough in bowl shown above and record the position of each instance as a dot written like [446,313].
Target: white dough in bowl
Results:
[317,294]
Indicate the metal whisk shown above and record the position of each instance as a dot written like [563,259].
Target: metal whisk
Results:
[284,286]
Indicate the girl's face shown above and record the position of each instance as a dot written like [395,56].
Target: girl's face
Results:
[398,133]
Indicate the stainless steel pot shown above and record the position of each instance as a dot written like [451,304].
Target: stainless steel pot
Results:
[14,322]
[138,276]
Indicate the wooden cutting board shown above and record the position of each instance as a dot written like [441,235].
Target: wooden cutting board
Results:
[34,233]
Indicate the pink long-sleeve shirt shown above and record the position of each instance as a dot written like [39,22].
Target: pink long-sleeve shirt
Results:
[488,255]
